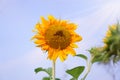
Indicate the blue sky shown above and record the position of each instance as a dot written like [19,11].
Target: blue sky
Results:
[18,54]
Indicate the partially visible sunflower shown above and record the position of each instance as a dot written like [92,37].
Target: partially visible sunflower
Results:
[112,43]
[111,49]
[57,37]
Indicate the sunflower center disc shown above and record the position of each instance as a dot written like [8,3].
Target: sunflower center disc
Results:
[57,37]
[59,33]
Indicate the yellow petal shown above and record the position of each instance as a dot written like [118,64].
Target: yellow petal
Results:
[39,42]
[39,29]
[71,26]
[70,50]
[113,27]
[108,34]
[52,20]
[76,38]
[45,23]
[63,23]
[50,17]
[38,26]
[55,54]
[73,45]
[105,40]
[45,47]
[38,37]
[62,56]
[50,53]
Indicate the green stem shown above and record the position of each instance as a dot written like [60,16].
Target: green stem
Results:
[89,64]
[53,70]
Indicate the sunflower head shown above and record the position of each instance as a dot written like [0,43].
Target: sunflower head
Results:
[111,49]
[112,43]
[57,37]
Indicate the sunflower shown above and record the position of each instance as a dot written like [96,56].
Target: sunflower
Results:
[111,49]
[57,37]
[112,43]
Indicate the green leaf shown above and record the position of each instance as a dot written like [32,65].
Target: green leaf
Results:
[75,72]
[39,69]
[82,56]
[57,79]
[48,70]
[46,78]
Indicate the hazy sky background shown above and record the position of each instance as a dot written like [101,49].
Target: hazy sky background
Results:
[18,54]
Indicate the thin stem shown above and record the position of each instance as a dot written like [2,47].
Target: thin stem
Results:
[53,70]
[89,64]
